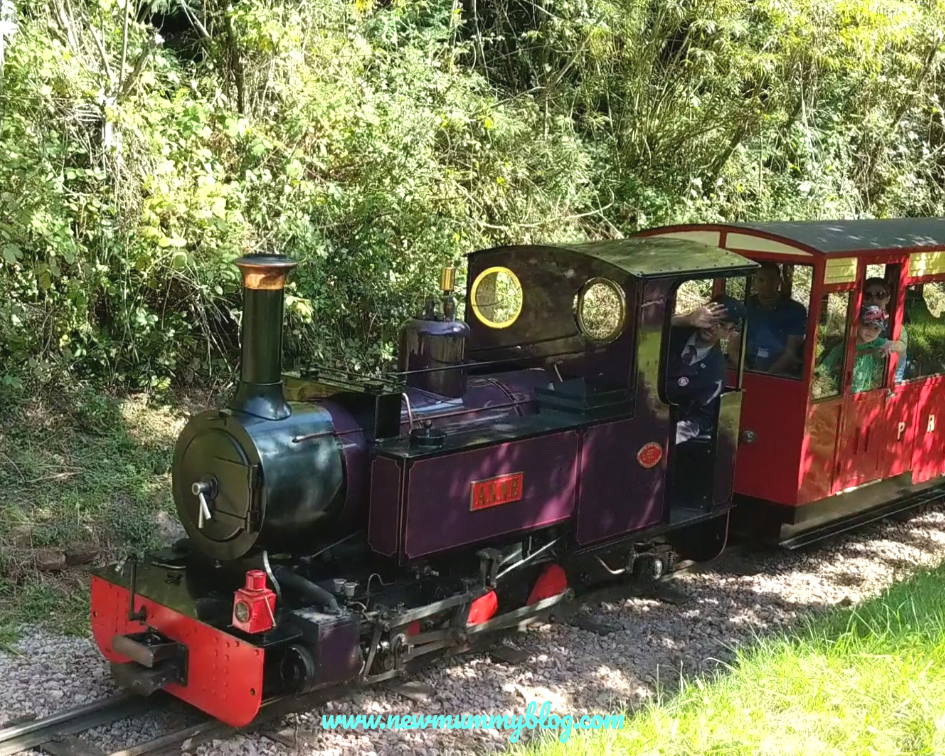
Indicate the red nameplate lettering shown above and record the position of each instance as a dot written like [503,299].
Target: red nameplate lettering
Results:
[503,489]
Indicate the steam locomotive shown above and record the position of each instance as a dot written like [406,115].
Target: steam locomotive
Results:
[342,529]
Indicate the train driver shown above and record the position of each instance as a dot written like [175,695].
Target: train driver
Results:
[696,365]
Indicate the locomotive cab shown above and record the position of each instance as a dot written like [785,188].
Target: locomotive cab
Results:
[599,317]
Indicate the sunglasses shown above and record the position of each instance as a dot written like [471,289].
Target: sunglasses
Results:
[874,294]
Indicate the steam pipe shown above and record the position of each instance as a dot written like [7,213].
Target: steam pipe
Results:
[260,388]
[307,589]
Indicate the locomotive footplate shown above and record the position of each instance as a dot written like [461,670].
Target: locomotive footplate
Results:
[155,662]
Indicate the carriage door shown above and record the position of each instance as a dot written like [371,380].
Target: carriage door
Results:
[871,405]
[885,285]
[924,378]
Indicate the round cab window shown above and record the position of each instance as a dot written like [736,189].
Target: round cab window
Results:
[601,310]
[496,297]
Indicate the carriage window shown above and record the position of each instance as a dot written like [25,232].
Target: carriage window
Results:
[879,289]
[601,310]
[924,328]
[831,345]
[496,297]
[777,306]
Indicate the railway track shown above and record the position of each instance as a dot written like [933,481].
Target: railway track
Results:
[59,733]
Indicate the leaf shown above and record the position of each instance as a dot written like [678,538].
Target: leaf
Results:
[11,253]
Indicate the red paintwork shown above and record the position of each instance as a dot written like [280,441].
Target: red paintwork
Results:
[483,609]
[805,452]
[929,449]
[897,440]
[552,582]
[224,674]
[818,451]
[774,409]
[863,422]
[255,595]
[494,492]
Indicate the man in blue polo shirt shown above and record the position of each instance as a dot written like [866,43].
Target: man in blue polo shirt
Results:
[776,326]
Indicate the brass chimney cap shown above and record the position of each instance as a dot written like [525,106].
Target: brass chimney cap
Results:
[265,272]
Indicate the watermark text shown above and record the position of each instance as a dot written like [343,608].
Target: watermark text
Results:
[533,718]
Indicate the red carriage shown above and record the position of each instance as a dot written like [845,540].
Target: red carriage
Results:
[822,451]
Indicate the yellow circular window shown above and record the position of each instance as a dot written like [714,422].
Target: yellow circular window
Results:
[496,297]
[601,310]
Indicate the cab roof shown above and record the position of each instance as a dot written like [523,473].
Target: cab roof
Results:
[646,258]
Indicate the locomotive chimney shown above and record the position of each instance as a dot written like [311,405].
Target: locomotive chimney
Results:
[260,388]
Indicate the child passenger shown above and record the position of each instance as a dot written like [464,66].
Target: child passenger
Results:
[872,348]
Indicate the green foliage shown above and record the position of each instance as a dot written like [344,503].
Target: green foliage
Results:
[376,142]
[81,472]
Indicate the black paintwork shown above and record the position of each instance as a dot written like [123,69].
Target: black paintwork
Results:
[269,488]
[515,429]
[837,237]
[260,388]
[432,355]
[643,258]
[781,524]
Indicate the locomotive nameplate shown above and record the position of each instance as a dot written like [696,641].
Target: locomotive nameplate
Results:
[503,489]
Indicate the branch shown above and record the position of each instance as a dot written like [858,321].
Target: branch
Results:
[235,61]
[152,45]
[124,41]
[101,51]
[60,15]
[195,22]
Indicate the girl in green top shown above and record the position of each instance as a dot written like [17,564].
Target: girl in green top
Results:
[877,292]
[871,351]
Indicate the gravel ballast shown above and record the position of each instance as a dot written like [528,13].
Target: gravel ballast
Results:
[577,671]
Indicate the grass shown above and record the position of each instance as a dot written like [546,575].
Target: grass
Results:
[867,681]
[86,478]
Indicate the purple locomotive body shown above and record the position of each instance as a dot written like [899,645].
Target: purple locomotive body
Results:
[511,456]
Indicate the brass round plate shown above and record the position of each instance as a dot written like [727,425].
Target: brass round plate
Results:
[496,297]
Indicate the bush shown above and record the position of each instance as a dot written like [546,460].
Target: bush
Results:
[376,142]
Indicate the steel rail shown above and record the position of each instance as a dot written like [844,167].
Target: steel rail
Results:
[23,737]
[213,729]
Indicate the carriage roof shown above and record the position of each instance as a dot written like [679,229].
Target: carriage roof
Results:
[837,237]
